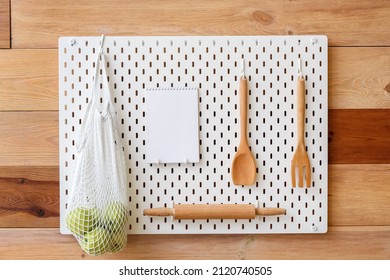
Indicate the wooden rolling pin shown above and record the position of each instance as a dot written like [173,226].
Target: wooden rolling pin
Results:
[214,211]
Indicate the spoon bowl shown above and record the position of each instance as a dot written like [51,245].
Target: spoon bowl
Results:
[243,167]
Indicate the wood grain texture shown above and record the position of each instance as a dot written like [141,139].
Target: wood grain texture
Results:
[28,138]
[29,197]
[359,136]
[359,149]
[355,136]
[28,80]
[359,78]
[359,195]
[39,26]
[341,243]
[5,36]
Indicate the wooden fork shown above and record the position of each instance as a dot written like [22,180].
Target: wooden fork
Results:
[300,159]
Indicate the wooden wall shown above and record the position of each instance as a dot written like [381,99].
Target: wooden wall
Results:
[359,121]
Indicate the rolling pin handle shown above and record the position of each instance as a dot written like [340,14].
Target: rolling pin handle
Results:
[270,211]
[161,212]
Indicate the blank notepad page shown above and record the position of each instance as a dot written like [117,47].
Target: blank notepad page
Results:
[172,125]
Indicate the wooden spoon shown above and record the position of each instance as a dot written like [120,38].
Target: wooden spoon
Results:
[243,167]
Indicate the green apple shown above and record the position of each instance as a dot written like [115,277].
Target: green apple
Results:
[96,242]
[82,220]
[114,216]
[118,241]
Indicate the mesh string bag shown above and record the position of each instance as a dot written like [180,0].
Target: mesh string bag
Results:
[97,206]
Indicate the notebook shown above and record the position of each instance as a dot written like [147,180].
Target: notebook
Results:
[172,126]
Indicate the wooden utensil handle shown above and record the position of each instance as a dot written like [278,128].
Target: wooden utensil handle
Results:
[301,92]
[270,211]
[161,212]
[243,91]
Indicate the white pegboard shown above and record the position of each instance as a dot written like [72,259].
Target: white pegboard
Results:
[211,64]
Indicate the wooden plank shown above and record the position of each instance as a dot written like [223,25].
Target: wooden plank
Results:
[347,23]
[28,138]
[341,243]
[355,136]
[28,80]
[29,197]
[358,79]
[359,194]
[359,136]
[5,36]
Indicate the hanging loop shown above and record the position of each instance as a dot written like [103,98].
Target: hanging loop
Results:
[243,68]
[101,44]
[300,74]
